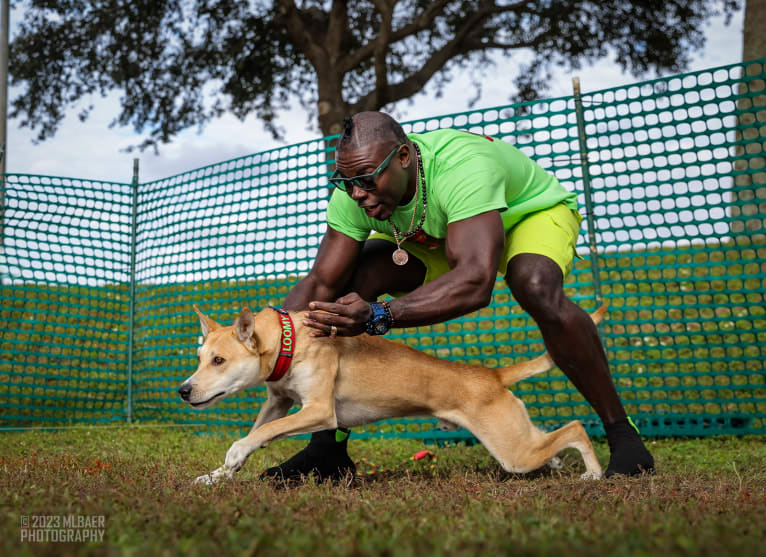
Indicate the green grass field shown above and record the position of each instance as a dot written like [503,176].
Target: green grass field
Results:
[708,498]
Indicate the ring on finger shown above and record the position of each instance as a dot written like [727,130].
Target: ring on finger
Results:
[333,331]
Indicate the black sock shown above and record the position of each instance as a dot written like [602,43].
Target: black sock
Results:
[629,456]
[619,432]
[325,457]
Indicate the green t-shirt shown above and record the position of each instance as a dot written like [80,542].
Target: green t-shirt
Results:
[466,175]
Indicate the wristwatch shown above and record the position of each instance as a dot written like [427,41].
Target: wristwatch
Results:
[381,320]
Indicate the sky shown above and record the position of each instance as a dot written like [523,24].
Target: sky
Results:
[93,150]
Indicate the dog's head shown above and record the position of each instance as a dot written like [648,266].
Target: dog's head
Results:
[229,360]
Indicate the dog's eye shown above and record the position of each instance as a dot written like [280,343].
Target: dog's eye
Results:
[218,360]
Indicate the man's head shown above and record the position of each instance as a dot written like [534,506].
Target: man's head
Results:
[375,148]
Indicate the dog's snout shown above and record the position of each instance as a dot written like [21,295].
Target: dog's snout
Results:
[185,390]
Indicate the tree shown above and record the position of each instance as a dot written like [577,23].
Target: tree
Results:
[180,63]
[748,207]
[754,39]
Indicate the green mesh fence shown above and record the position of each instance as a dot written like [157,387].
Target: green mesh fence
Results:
[670,174]
[65,298]
[226,236]
[677,172]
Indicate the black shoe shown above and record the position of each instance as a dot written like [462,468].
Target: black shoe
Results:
[630,456]
[324,458]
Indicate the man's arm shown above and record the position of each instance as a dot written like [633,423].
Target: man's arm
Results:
[331,271]
[474,246]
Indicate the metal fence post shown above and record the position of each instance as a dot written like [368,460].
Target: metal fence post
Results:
[132,293]
[592,246]
[5,12]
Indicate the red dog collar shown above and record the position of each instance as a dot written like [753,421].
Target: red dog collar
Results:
[286,347]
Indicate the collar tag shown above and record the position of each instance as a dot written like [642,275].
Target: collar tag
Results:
[286,346]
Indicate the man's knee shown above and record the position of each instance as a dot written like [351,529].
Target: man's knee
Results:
[537,284]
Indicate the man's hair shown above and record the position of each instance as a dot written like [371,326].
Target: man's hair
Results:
[370,127]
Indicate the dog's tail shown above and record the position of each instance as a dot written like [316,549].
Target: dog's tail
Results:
[517,372]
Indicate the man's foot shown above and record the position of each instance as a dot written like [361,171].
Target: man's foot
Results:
[629,455]
[325,457]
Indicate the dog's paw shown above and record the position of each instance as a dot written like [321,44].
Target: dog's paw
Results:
[207,479]
[237,455]
[215,476]
[591,476]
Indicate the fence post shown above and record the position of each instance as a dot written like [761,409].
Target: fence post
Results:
[132,293]
[592,246]
[5,12]
[2,199]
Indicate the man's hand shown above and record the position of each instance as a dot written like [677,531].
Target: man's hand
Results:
[348,314]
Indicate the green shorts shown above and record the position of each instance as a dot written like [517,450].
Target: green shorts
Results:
[550,232]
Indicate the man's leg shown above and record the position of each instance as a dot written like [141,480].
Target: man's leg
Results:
[326,456]
[572,340]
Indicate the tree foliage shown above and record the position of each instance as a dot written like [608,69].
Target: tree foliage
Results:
[180,63]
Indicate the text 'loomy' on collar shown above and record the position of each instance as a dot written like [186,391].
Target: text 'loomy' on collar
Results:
[286,346]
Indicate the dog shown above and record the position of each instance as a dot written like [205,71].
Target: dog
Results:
[352,381]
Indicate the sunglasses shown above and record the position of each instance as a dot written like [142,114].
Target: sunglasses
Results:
[364,182]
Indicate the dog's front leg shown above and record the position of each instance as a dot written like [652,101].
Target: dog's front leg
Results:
[275,407]
[312,417]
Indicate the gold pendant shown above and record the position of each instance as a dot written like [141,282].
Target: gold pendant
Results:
[400,256]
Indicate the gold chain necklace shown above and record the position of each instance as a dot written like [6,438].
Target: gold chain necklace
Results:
[400,256]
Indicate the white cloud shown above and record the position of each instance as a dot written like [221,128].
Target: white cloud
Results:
[91,149]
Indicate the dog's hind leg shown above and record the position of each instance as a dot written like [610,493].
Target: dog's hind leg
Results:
[505,429]
[572,435]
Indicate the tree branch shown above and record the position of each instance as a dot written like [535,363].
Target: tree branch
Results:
[460,44]
[300,34]
[420,23]
[386,9]
[337,28]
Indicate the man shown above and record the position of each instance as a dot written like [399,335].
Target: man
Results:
[451,210]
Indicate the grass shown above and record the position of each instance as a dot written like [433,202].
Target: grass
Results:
[709,498]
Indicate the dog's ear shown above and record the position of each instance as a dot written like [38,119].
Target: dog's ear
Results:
[205,322]
[244,326]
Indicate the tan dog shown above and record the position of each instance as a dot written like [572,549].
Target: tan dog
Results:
[351,381]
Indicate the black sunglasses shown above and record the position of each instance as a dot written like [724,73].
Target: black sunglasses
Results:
[364,182]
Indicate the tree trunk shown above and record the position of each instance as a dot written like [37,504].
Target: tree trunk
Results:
[331,110]
[331,114]
[749,193]
[754,34]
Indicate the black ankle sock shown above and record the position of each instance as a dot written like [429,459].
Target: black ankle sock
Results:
[629,456]
[325,457]
[619,432]
[331,437]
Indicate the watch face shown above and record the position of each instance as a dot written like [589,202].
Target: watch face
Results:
[380,327]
